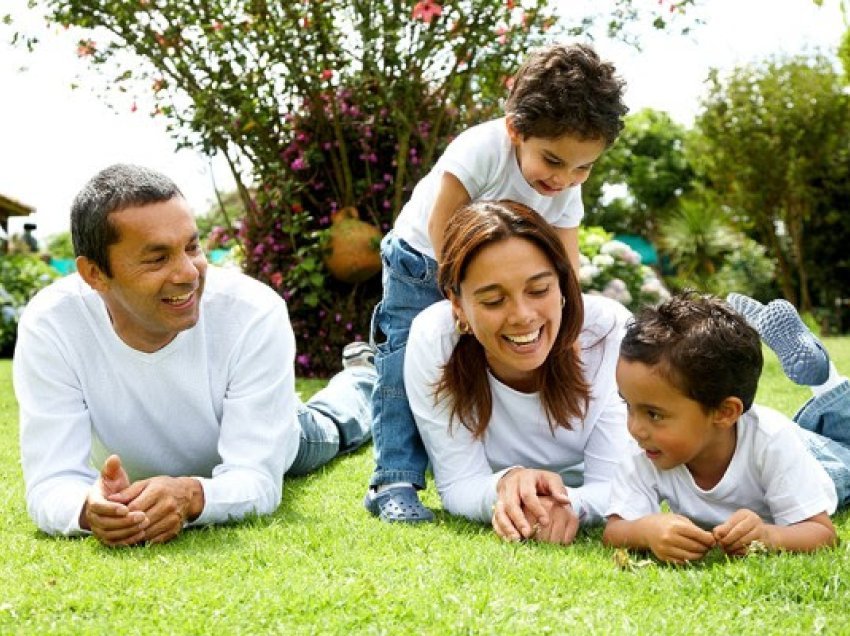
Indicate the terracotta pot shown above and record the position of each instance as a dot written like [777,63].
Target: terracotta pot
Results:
[353,251]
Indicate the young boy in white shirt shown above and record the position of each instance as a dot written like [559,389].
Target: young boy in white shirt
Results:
[731,472]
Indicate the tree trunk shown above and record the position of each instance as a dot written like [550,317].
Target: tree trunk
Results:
[794,223]
[786,282]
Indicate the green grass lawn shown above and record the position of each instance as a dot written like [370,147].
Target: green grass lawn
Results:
[322,565]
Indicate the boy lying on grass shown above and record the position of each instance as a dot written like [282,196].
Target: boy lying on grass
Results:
[731,472]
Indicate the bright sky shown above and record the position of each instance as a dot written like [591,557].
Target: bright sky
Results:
[53,138]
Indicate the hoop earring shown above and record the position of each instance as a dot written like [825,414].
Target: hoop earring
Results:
[462,327]
[563,302]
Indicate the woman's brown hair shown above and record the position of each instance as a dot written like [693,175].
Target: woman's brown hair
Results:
[563,389]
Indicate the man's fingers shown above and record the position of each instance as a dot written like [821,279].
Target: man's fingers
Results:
[106,522]
[128,495]
[166,530]
[111,468]
[126,536]
[104,509]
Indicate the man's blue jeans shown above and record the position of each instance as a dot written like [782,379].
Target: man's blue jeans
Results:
[410,285]
[825,424]
[335,420]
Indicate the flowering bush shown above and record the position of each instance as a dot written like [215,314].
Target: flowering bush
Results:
[613,269]
[317,106]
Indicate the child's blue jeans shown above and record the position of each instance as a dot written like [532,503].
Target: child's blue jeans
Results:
[825,424]
[410,285]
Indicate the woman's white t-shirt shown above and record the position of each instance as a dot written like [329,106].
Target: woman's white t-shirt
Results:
[467,470]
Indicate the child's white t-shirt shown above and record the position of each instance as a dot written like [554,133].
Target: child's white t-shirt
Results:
[771,473]
[483,160]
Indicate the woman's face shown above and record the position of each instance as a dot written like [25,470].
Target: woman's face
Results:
[512,302]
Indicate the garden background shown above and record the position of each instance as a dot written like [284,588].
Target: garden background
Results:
[327,114]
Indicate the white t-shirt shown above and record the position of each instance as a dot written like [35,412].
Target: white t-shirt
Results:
[771,473]
[218,402]
[467,470]
[484,161]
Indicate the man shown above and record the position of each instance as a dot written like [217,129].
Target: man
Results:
[175,377]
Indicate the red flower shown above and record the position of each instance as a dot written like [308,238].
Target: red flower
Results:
[327,74]
[427,10]
[85,48]
[276,279]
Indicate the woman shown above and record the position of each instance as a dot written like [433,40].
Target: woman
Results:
[511,380]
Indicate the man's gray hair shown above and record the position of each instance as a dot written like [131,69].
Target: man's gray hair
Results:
[113,189]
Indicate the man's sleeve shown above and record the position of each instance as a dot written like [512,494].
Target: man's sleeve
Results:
[259,430]
[55,431]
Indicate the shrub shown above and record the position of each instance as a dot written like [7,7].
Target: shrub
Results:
[21,276]
[613,269]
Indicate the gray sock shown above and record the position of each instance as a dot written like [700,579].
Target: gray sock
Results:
[802,356]
[748,307]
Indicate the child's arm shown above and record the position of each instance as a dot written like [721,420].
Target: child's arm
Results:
[450,197]
[744,526]
[671,537]
[569,237]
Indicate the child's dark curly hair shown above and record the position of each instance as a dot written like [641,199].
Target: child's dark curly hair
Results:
[701,345]
[567,89]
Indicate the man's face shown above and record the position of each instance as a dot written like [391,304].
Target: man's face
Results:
[158,271]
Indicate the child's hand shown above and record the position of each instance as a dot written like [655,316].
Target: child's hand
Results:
[675,538]
[739,531]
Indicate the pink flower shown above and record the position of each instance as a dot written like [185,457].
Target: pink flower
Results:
[427,10]
[217,26]
[133,107]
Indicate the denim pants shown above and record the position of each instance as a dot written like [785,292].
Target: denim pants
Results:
[410,285]
[825,428]
[335,420]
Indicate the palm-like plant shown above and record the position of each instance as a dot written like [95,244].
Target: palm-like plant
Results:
[696,239]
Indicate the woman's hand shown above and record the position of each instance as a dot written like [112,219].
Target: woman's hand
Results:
[520,512]
[563,523]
